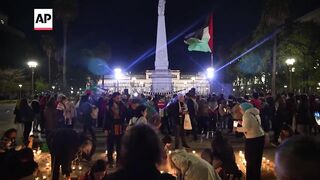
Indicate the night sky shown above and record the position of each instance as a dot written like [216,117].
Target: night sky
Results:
[129,27]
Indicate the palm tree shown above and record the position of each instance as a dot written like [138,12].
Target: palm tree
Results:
[66,11]
[49,46]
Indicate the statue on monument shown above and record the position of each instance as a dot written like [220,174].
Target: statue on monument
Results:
[161,7]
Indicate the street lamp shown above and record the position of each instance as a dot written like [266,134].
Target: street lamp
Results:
[210,75]
[117,76]
[210,72]
[53,87]
[290,62]
[32,65]
[20,86]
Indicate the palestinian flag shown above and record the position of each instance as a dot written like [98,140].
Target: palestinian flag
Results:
[201,40]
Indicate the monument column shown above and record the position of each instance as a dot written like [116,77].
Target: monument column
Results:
[161,76]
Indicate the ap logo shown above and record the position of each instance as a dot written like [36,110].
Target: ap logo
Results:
[43,19]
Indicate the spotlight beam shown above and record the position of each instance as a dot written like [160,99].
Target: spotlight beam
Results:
[265,39]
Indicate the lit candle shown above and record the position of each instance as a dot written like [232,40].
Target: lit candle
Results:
[268,161]
[161,172]
[47,165]
[106,152]
[37,178]
[73,167]
[170,152]
[193,151]
[80,168]
[263,159]
[44,177]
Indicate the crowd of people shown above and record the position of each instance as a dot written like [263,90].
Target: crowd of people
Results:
[133,127]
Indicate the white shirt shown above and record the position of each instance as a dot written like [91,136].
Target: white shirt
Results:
[251,124]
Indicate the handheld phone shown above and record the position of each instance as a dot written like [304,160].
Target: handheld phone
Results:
[317,117]
[235,123]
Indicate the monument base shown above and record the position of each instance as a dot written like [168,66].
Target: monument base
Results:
[161,81]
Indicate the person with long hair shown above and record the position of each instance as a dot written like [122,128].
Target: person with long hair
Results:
[140,116]
[50,116]
[141,151]
[223,152]
[27,116]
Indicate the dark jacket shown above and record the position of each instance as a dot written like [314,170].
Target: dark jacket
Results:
[50,118]
[142,174]
[175,113]
[191,108]
[115,126]
[26,114]
[64,144]
[35,105]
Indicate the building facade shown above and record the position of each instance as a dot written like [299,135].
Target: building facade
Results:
[135,83]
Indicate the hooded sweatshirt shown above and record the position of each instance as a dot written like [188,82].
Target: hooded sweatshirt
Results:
[251,124]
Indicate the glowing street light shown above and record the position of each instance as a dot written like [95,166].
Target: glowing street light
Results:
[32,65]
[210,72]
[117,76]
[20,86]
[290,62]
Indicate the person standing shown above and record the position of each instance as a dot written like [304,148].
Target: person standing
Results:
[179,109]
[254,143]
[193,111]
[114,126]
[291,108]
[35,105]
[85,111]
[65,145]
[27,116]
[256,102]
[303,115]
[50,117]
[61,108]
[203,116]
[280,117]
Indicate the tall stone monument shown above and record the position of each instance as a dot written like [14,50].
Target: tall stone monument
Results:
[161,76]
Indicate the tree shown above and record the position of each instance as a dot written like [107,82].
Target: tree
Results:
[9,81]
[274,14]
[49,46]
[301,41]
[41,85]
[66,11]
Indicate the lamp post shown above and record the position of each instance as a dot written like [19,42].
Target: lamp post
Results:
[290,62]
[20,86]
[117,76]
[32,65]
[193,80]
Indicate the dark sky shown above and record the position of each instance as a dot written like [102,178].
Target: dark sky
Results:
[129,27]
